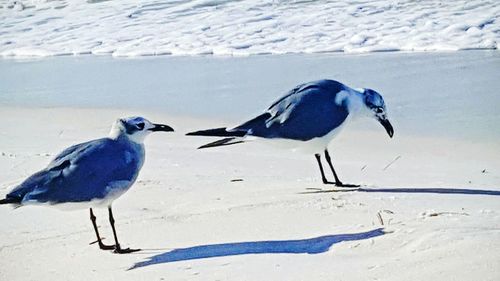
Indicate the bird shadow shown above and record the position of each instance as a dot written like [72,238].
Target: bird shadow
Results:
[434,190]
[302,246]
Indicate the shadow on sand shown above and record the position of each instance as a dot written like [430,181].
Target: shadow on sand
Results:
[435,190]
[303,246]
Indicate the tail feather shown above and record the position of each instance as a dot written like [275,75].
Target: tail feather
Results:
[256,124]
[218,132]
[221,142]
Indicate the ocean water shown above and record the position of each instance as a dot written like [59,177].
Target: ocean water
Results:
[453,94]
[245,27]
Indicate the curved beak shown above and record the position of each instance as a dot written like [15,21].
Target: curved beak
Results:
[387,125]
[161,128]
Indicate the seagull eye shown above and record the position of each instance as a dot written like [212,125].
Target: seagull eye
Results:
[140,126]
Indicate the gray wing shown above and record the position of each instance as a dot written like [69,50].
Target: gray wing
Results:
[83,172]
[306,112]
[72,153]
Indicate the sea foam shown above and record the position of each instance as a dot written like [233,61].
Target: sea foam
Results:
[249,27]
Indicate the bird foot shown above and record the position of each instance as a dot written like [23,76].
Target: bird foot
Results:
[106,247]
[103,246]
[119,250]
[340,184]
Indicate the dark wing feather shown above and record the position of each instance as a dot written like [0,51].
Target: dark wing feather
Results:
[307,112]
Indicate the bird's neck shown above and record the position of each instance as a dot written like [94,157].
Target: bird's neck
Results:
[353,99]
[117,134]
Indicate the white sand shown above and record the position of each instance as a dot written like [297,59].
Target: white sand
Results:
[185,198]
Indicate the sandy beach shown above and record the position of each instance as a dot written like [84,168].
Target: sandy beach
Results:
[428,207]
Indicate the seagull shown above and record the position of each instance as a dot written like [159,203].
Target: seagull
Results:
[91,174]
[307,118]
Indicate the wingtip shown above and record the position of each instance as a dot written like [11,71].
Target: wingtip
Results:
[222,142]
[207,133]
[10,200]
[218,132]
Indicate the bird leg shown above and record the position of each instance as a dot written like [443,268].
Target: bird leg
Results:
[329,161]
[318,158]
[102,246]
[337,180]
[118,249]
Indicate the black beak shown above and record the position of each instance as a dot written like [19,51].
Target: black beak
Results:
[387,125]
[161,128]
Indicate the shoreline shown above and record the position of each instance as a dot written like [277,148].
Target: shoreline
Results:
[222,56]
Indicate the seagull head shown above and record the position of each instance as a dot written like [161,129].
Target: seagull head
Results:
[375,107]
[136,128]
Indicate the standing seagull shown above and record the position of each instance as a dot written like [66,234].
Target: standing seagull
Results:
[91,174]
[308,117]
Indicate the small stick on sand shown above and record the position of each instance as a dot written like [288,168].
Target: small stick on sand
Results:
[380,218]
[392,162]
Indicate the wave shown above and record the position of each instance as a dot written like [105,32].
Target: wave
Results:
[240,28]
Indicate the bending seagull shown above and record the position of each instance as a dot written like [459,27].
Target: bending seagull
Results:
[91,174]
[308,117]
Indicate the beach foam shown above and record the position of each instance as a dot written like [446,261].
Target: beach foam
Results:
[220,27]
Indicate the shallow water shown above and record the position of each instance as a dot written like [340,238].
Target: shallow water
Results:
[446,94]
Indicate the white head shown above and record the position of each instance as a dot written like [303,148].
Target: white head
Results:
[374,106]
[136,128]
